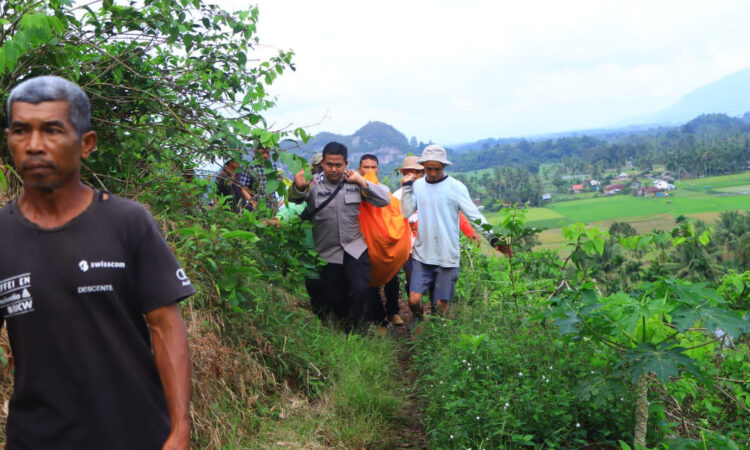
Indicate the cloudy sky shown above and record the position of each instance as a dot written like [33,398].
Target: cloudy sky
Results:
[457,71]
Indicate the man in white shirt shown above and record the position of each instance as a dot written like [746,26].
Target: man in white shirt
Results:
[438,198]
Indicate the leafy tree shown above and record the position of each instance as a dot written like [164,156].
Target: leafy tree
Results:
[169,80]
[655,326]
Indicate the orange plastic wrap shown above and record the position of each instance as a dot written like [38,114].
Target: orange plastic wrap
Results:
[388,237]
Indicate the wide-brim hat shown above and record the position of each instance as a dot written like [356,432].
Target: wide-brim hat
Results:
[410,162]
[434,153]
[317,159]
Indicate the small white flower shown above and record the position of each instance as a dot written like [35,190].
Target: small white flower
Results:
[441,381]
[593,372]
[506,405]
[543,377]
[520,374]
[547,380]
[469,369]
[578,425]
[464,361]
[550,367]
[451,436]
[622,399]
[488,367]
[477,417]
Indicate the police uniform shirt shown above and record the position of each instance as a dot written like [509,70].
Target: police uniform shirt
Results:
[336,228]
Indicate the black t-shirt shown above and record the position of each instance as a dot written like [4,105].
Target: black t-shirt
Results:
[73,299]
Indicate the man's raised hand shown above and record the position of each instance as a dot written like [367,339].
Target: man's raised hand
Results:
[352,176]
[300,182]
[408,177]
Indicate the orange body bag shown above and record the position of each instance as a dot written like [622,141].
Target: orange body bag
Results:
[388,237]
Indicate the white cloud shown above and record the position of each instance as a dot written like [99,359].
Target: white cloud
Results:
[462,70]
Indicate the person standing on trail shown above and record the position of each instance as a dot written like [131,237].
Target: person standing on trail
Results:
[411,166]
[333,200]
[315,162]
[80,271]
[227,185]
[438,198]
[370,163]
[254,178]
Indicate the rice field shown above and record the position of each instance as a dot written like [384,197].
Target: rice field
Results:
[702,199]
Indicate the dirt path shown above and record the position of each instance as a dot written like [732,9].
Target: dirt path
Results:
[411,433]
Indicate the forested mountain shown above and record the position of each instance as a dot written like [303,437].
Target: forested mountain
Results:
[710,144]
[381,139]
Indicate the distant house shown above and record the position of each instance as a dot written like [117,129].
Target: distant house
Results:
[577,188]
[623,175]
[594,182]
[547,196]
[663,185]
[635,184]
[613,189]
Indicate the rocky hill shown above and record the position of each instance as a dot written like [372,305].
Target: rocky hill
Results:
[378,138]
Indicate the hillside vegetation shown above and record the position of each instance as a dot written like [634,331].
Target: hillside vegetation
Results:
[628,341]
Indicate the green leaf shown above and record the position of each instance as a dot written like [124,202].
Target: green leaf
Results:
[272,185]
[570,323]
[661,360]
[713,318]
[293,162]
[241,234]
[3,181]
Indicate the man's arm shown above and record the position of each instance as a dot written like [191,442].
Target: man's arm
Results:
[172,357]
[408,202]
[376,195]
[471,212]
[465,226]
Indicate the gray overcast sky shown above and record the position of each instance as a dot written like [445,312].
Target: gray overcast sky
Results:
[457,71]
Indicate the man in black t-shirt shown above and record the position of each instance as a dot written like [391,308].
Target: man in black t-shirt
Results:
[79,271]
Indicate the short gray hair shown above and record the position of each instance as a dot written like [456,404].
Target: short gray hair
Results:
[50,88]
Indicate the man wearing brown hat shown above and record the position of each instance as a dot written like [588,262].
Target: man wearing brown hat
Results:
[439,199]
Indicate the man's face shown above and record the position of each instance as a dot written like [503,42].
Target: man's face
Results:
[45,147]
[333,167]
[435,170]
[368,165]
[232,165]
[265,153]
[417,173]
